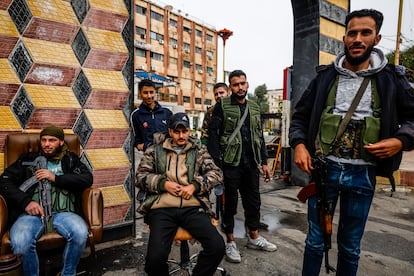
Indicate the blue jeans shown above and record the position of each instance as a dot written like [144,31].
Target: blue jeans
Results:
[27,230]
[355,186]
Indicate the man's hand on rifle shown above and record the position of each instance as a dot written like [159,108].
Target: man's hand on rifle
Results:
[303,159]
[34,209]
[45,174]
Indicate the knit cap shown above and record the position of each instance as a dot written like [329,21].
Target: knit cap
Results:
[53,131]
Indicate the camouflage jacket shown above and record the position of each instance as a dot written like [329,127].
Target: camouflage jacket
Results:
[161,163]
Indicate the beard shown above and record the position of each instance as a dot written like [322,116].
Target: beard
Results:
[241,97]
[56,152]
[355,61]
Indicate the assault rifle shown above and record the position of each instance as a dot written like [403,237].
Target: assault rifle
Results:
[45,195]
[325,206]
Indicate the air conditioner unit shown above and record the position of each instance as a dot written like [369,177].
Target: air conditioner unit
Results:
[141,67]
[153,68]
[143,36]
[200,71]
[187,51]
[161,41]
[210,57]
[175,46]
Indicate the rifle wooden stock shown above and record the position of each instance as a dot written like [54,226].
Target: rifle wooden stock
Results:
[327,224]
[306,192]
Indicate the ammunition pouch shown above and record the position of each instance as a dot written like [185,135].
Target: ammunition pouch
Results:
[328,128]
[232,152]
[351,144]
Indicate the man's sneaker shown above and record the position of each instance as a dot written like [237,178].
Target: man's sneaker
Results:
[232,253]
[261,244]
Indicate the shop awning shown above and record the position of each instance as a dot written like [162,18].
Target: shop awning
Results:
[157,79]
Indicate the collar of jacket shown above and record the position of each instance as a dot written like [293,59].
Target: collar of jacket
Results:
[192,143]
[145,108]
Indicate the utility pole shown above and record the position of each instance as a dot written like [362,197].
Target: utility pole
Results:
[224,34]
[397,47]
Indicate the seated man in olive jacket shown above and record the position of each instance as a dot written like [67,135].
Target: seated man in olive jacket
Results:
[178,174]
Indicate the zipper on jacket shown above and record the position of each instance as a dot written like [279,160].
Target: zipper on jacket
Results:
[176,176]
[169,164]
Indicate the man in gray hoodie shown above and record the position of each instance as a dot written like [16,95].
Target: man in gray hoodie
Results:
[381,127]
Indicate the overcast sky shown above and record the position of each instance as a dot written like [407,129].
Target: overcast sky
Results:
[262,39]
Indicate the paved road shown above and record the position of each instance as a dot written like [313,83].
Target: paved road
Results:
[387,245]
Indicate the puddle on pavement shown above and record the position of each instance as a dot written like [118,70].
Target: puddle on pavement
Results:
[275,220]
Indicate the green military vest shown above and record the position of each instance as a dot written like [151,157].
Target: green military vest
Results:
[231,116]
[329,124]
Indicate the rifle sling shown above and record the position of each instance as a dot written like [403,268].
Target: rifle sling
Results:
[351,109]
[238,127]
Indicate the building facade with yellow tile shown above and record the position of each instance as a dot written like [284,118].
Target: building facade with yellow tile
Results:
[179,48]
[70,64]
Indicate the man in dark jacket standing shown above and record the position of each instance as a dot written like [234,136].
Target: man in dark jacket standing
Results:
[150,117]
[381,127]
[236,143]
[67,177]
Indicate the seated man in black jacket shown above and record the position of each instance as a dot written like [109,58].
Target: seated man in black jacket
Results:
[42,191]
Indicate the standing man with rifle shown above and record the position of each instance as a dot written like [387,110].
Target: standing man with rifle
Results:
[43,193]
[351,124]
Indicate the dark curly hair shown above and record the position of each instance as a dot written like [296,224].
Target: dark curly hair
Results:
[376,15]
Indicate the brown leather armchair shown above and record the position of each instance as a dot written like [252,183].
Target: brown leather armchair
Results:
[92,201]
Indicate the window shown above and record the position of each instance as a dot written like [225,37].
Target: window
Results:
[157,16]
[209,37]
[156,36]
[198,50]
[186,47]
[207,101]
[198,100]
[199,84]
[199,67]
[139,52]
[173,60]
[186,99]
[209,54]
[187,29]
[210,70]
[167,97]
[157,56]
[173,22]
[199,33]
[174,42]
[140,31]
[209,86]
[140,10]
[186,64]
[173,98]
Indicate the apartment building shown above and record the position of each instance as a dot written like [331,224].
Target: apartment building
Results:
[180,52]
[275,100]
